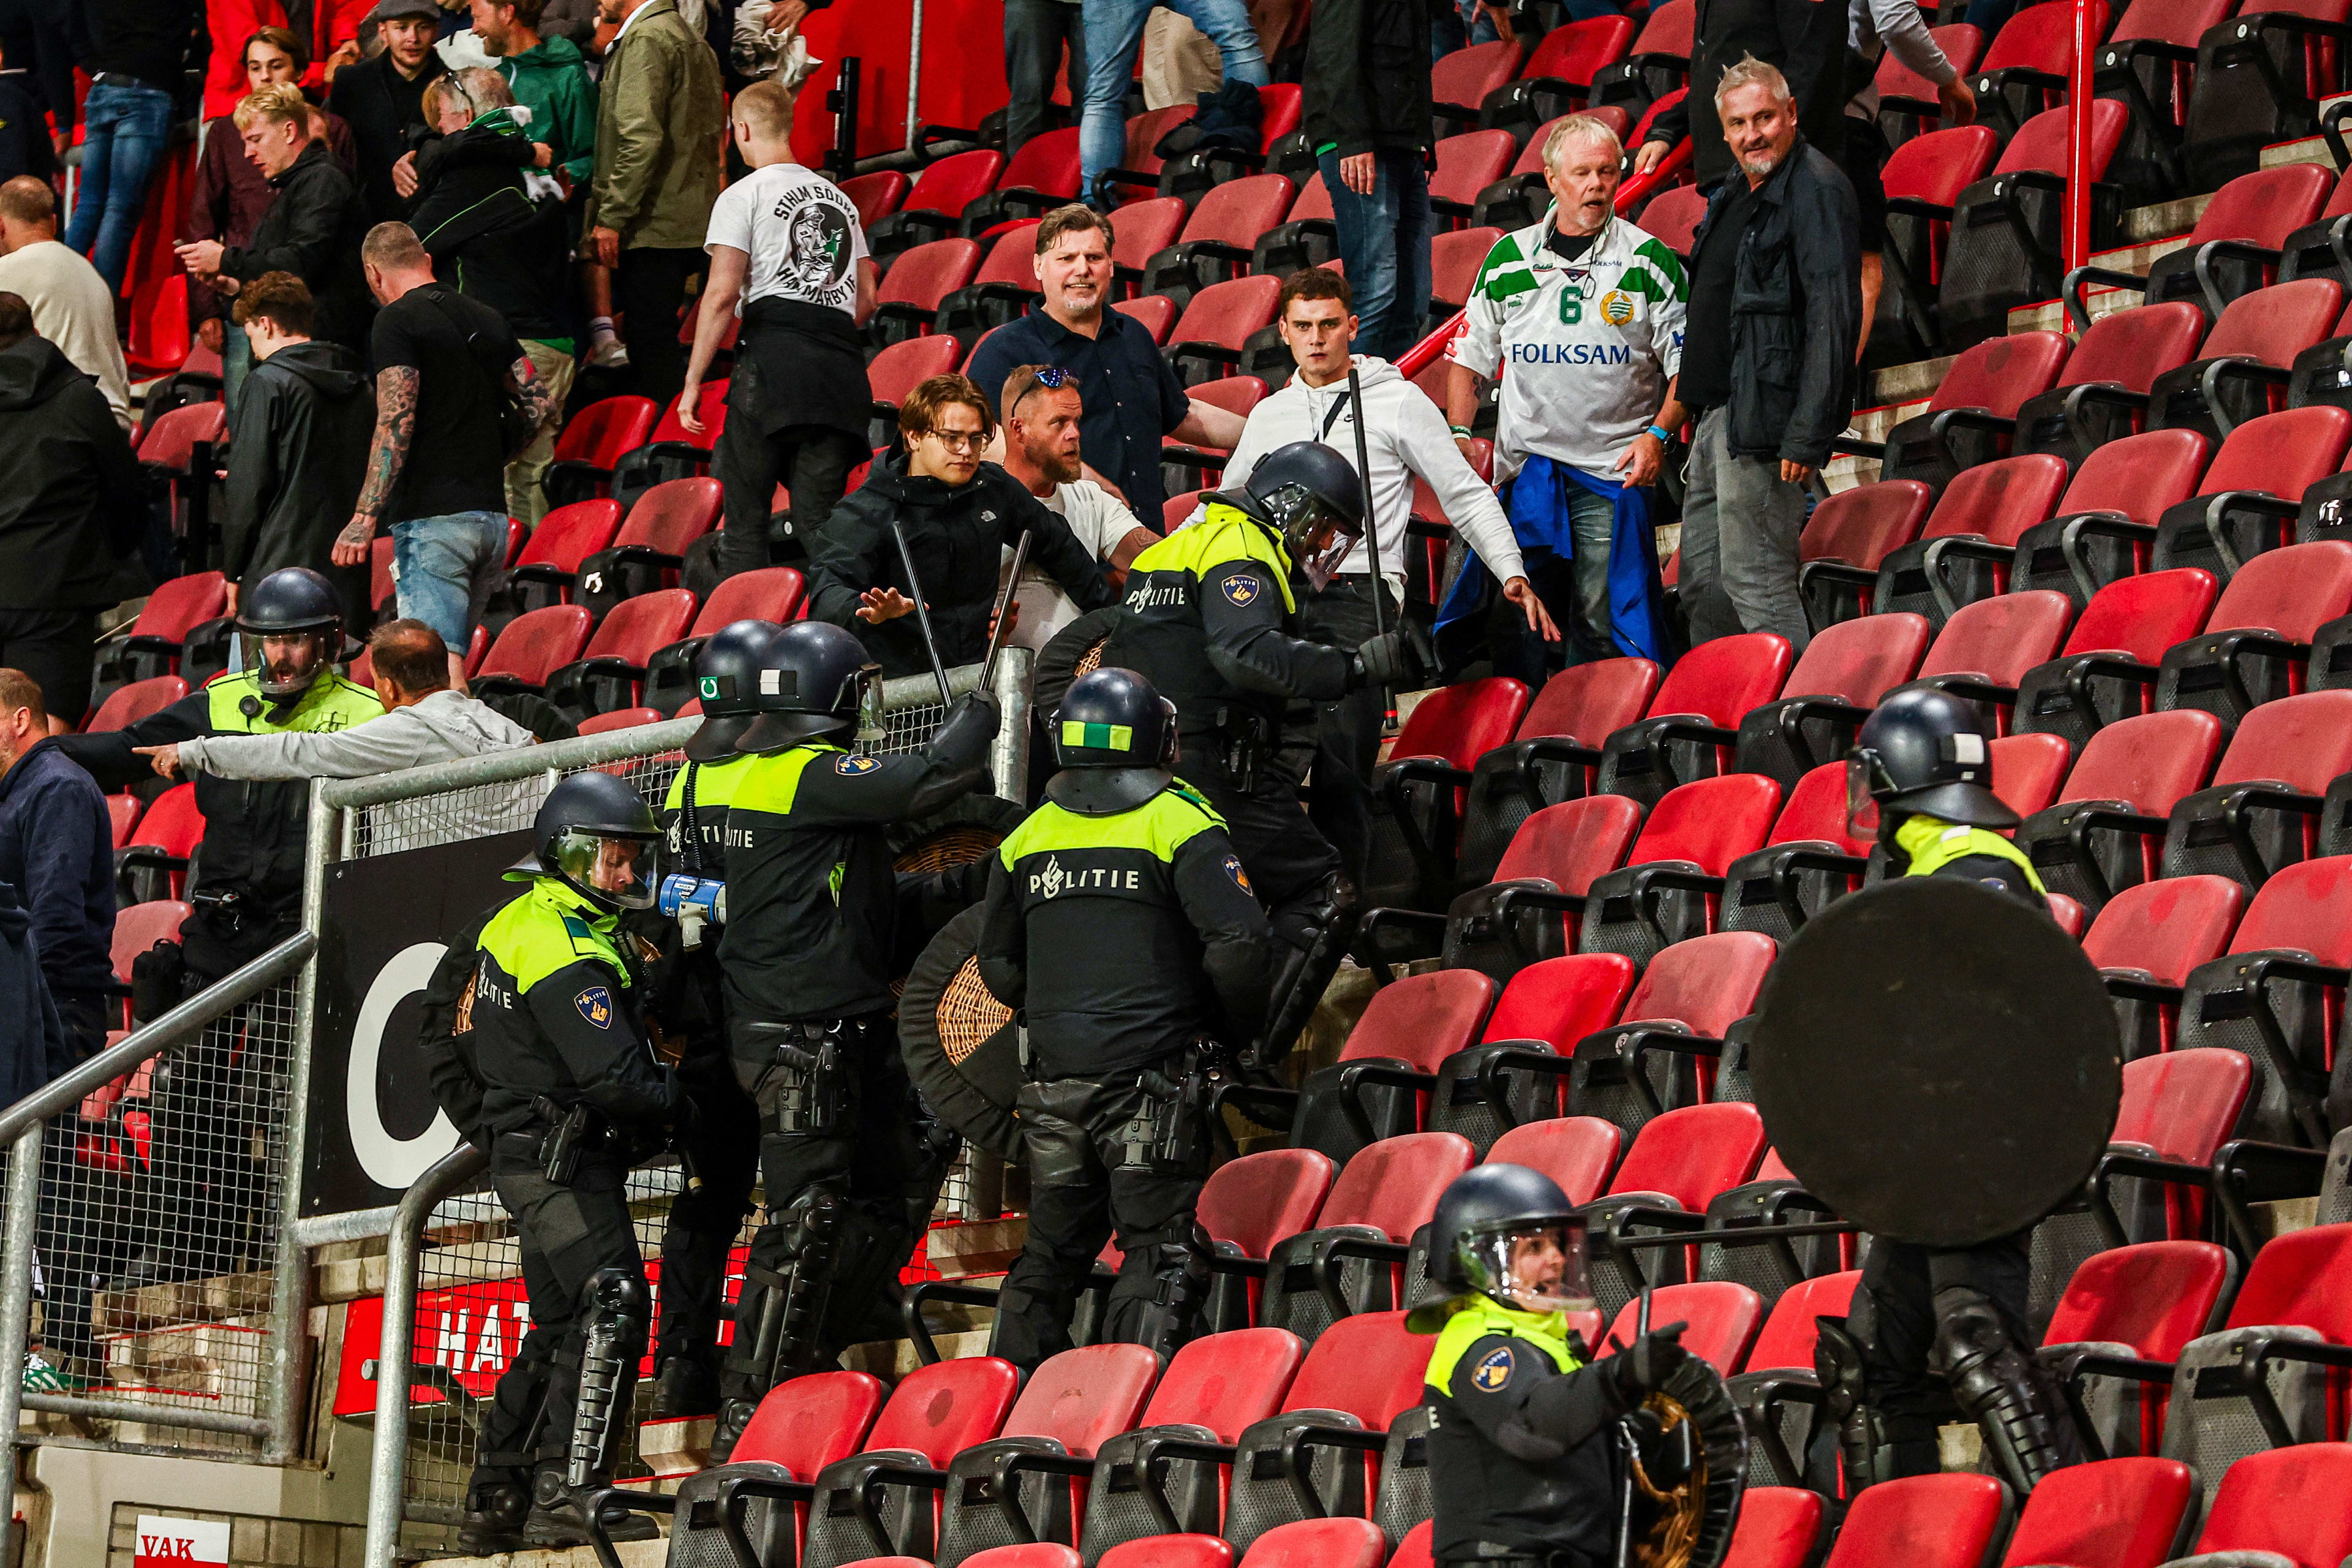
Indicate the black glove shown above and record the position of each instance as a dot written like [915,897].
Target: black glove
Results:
[1389,660]
[961,740]
[1644,1367]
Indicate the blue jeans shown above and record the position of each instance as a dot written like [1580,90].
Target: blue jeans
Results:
[1114,33]
[126,130]
[444,569]
[1384,240]
[1575,592]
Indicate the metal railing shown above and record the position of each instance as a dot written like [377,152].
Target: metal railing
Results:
[453,1255]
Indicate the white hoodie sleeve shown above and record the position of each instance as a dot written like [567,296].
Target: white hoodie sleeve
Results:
[398,740]
[1429,450]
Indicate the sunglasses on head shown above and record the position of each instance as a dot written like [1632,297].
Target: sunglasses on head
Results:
[1053,377]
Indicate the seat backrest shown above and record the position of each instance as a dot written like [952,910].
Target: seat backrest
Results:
[619,719]
[1712,822]
[1577,1152]
[766,594]
[1466,77]
[1573,52]
[1669,30]
[126,705]
[1999,500]
[1047,161]
[2043,42]
[2138,476]
[2150,760]
[2281,453]
[1257,1200]
[568,535]
[173,824]
[1708,981]
[948,185]
[1589,701]
[1225,313]
[1078,1397]
[1815,812]
[1469,163]
[2041,142]
[2144,615]
[1926,1521]
[1392,1184]
[2027,769]
[179,605]
[1010,256]
[906,365]
[2307,905]
[2277,323]
[1723,678]
[1454,259]
[2302,1277]
[1461,724]
[1423,1018]
[172,440]
[2264,206]
[2304,741]
[2293,592]
[1779,1527]
[1156,313]
[2166,928]
[1345,1542]
[1695,1153]
[1859,660]
[1962,45]
[138,927]
[1788,1336]
[2118,1514]
[2132,348]
[2266,1504]
[1224,1381]
[1937,167]
[537,643]
[1239,211]
[710,407]
[673,514]
[1234,394]
[1561,999]
[941,1409]
[925,274]
[2181,1105]
[806,1423]
[1723,1317]
[2181,23]
[1570,844]
[875,196]
[2001,637]
[1861,525]
[635,630]
[607,428]
[1673,216]
[1367,1366]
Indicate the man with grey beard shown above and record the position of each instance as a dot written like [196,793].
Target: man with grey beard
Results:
[1772,383]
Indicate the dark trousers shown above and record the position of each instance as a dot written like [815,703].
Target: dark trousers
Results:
[703,1221]
[1334,745]
[1287,856]
[55,648]
[812,461]
[566,1233]
[78,1244]
[1893,1317]
[648,288]
[1082,1189]
[1034,33]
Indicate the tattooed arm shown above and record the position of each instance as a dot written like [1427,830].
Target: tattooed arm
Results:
[395,424]
[533,392]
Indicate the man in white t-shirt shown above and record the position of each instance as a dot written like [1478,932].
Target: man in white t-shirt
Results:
[785,246]
[72,306]
[1041,411]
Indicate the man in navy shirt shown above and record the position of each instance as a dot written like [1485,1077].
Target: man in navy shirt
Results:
[57,848]
[1131,397]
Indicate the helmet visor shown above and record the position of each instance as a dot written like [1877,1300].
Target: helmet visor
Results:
[1536,1264]
[873,721]
[1318,537]
[1865,778]
[621,870]
[287,662]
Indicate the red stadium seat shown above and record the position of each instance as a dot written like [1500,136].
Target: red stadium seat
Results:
[652,543]
[908,303]
[1206,342]
[2248,823]
[2261,631]
[1319,1543]
[1516,1073]
[1924,1521]
[1988,506]
[1144,229]
[2114,649]
[2263,331]
[154,863]
[137,928]
[619,719]
[2136,477]
[1659,63]
[1418,794]
[123,811]
[1385,1193]
[1218,237]
[1689,995]
[2258,209]
[2129,778]
[930,210]
[176,608]
[1577,1152]
[1903,91]
[902,366]
[2012,82]
[531,648]
[875,196]
[591,443]
[1780,1527]
[2148,939]
[558,547]
[1466,164]
[1723,1317]
[2118,1514]
[1923,179]
[1459,82]
[2002,253]
[2124,351]
[1962,425]
[1673,216]
[1665,892]
[1692,721]
[935,1413]
[1843,672]
[1808,859]
[129,704]
[610,671]
[1157,314]
[1847,537]
[1068,1408]
[2263,1504]
[1558,76]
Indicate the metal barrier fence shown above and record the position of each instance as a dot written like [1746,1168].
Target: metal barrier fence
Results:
[453,1312]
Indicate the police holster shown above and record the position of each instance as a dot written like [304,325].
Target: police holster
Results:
[1244,742]
[573,1133]
[1168,1134]
[814,1075]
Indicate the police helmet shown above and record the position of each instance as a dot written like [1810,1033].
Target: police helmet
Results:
[1922,753]
[815,679]
[1311,496]
[298,609]
[598,834]
[727,684]
[1509,1234]
[1115,737]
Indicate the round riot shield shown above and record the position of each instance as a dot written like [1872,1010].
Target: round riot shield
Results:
[959,1043]
[1937,1061]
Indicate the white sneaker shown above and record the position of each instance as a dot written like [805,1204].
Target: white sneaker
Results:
[610,355]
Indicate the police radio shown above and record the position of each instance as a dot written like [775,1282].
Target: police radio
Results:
[693,902]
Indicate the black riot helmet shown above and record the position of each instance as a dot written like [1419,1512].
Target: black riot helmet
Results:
[1509,1234]
[815,679]
[1310,495]
[1922,753]
[727,684]
[293,606]
[599,836]
[1115,740]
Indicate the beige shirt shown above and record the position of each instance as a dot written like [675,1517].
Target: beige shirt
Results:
[74,309]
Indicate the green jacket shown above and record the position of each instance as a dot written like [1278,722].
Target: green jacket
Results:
[657,125]
[552,82]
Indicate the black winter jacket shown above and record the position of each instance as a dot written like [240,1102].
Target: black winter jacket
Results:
[34,1048]
[1796,310]
[1368,76]
[386,112]
[73,500]
[303,429]
[1806,38]
[313,229]
[485,234]
[958,537]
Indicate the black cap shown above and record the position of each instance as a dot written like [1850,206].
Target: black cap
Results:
[1115,737]
[727,684]
[1926,752]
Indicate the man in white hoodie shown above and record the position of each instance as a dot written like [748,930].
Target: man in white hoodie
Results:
[1404,438]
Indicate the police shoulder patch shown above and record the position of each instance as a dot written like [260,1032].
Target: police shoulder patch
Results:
[848,763]
[595,1005]
[1240,877]
[1493,1372]
[1241,588]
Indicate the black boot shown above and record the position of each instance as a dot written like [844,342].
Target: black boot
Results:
[1997,1384]
[734,1414]
[559,1514]
[685,1386]
[495,1513]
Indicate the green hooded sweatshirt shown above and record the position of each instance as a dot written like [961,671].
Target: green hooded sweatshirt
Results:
[552,82]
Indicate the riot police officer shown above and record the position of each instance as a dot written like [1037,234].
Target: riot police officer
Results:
[848,1172]
[705,1215]
[1121,924]
[571,1091]
[1525,1459]
[1937,1332]
[1211,622]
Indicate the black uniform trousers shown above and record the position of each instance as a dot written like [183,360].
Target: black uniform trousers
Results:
[1333,747]
[1085,1185]
[1893,1317]
[1288,858]
[567,1233]
[704,1221]
[811,461]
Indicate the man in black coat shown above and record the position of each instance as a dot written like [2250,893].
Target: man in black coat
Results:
[960,515]
[298,450]
[1366,109]
[1805,38]
[73,502]
[383,100]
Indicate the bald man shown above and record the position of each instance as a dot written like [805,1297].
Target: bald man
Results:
[72,306]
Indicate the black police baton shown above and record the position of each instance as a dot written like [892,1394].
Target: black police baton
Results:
[1003,615]
[1371,534]
[922,611]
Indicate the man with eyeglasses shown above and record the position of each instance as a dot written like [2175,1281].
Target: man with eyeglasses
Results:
[960,515]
